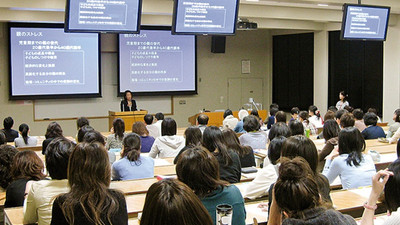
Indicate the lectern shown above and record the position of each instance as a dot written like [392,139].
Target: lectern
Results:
[129,118]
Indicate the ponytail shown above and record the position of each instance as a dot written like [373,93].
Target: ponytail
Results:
[24,129]
[132,144]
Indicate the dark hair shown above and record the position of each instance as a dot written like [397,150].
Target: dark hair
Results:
[397,112]
[199,169]
[392,187]
[279,129]
[347,120]
[168,127]
[3,139]
[94,136]
[202,119]
[57,156]
[132,145]
[373,110]
[273,111]
[294,110]
[193,136]
[370,119]
[232,142]
[159,116]
[24,129]
[331,129]
[27,165]
[345,95]
[140,129]
[280,116]
[82,131]
[8,122]
[81,121]
[148,119]
[7,154]
[251,123]
[173,202]
[351,142]
[301,146]
[275,149]
[213,139]
[358,114]
[314,110]
[296,128]
[53,130]
[254,112]
[274,105]
[349,108]
[304,116]
[119,128]
[125,93]
[227,113]
[332,108]
[339,113]
[329,115]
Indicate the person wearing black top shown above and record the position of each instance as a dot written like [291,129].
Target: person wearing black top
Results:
[53,131]
[10,133]
[128,104]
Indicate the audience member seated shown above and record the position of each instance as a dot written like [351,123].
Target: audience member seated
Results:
[296,127]
[271,119]
[90,201]
[295,113]
[159,119]
[169,144]
[372,131]
[373,110]
[152,128]
[315,116]
[303,117]
[254,112]
[333,108]
[359,121]
[11,134]
[26,168]
[39,202]
[193,138]
[254,138]
[347,120]
[331,135]
[53,131]
[349,109]
[329,115]
[82,131]
[199,169]
[3,139]
[146,140]
[280,116]
[396,125]
[354,168]
[279,129]
[245,153]
[95,136]
[296,196]
[114,140]
[202,121]
[171,202]
[269,173]
[239,126]
[7,154]
[339,114]
[25,140]
[229,120]
[81,122]
[229,161]
[132,165]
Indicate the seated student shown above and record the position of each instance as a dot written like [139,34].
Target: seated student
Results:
[229,161]
[296,128]
[339,114]
[199,169]
[152,128]
[315,116]
[354,168]
[95,136]
[80,122]
[171,202]
[254,138]
[295,113]
[359,121]
[146,140]
[25,140]
[347,120]
[372,131]
[245,153]
[53,131]
[254,112]
[159,119]
[132,165]
[114,140]
[202,121]
[396,125]
[11,134]
[296,196]
[90,201]
[333,108]
[329,115]
[303,117]
[271,119]
[82,131]
[39,202]
[169,144]
[26,168]
[279,129]
[373,110]
[280,116]
[331,135]
[239,126]
[193,138]
[229,120]
[269,173]
[7,154]
[3,139]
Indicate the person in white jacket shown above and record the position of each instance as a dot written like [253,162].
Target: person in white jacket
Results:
[169,144]
[229,120]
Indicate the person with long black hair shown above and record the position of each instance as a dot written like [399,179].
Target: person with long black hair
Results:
[25,140]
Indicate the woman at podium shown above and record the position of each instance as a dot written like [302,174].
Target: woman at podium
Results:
[128,104]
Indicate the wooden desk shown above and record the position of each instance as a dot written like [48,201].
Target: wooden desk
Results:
[370,144]
[383,149]
[216,118]
[130,187]
[129,118]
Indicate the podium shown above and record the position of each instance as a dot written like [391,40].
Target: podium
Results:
[216,118]
[129,118]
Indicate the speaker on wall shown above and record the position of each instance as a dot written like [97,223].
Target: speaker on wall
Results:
[218,44]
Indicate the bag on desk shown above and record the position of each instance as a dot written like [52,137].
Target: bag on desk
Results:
[249,170]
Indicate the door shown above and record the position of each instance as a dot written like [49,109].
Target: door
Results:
[241,89]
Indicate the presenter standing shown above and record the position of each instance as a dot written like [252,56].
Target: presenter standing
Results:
[343,100]
[128,104]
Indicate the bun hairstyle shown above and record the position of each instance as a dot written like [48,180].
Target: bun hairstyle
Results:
[345,95]
[314,110]
[24,129]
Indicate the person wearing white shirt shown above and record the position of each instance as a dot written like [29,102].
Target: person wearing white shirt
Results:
[159,118]
[152,128]
[229,120]
[169,144]
[315,116]
[342,103]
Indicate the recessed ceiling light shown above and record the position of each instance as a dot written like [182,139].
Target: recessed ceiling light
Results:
[323,5]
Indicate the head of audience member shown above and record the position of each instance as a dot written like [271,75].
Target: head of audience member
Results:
[296,128]
[202,119]
[140,129]
[174,203]
[313,111]
[351,142]
[27,165]
[81,121]
[159,116]
[242,114]
[343,96]
[349,108]
[228,112]
[370,119]
[232,142]
[303,116]
[7,154]
[273,111]
[254,112]
[275,149]
[396,116]
[329,115]
[193,136]
[339,114]
[251,123]
[274,105]
[213,141]
[199,169]
[8,123]
[331,129]
[168,127]
[392,187]
[280,116]
[82,131]
[358,114]
[296,188]
[131,147]
[295,112]
[24,130]
[373,110]
[94,136]
[301,146]
[53,130]
[3,138]
[148,119]
[57,156]
[347,120]
[279,129]
[128,95]
[119,128]
[333,108]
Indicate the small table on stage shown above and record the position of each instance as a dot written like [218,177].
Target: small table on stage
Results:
[129,118]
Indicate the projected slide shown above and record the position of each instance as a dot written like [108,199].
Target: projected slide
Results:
[205,16]
[155,61]
[49,62]
[103,15]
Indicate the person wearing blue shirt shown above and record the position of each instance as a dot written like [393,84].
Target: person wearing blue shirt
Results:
[372,131]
